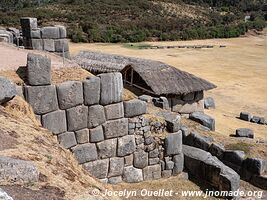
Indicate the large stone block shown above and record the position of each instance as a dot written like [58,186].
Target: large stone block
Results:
[37,44]
[55,121]
[234,159]
[152,172]
[244,132]
[140,159]
[27,24]
[77,118]
[134,108]
[115,128]
[8,90]
[43,99]
[254,165]
[245,116]
[132,175]
[36,33]
[126,145]
[98,168]
[173,143]
[96,134]
[17,171]
[67,140]
[111,88]
[49,45]
[62,31]
[82,136]
[38,69]
[116,166]
[96,116]
[50,32]
[203,119]
[259,181]
[178,164]
[217,150]
[206,167]
[107,148]
[114,111]
[85,153]
[198,141]
[91,90]
[61,45]
[70,94]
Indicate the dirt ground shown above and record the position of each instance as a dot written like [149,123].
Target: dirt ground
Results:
[239,70]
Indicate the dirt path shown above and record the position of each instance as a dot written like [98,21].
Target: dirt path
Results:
[12,58]
[239,71]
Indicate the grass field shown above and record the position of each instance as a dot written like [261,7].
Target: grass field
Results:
[239,70]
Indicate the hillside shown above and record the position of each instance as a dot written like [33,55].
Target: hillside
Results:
[135,21]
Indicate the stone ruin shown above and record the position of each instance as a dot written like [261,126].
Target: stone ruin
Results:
[115,141]
[50,38]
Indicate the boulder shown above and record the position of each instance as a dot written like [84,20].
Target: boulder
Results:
[49,45]
[173,122]
[38,69]
[98,168]
[255,119]
[198,141]
[85,153]
[161,102]
[77,118]
[245,116]
[17,171]
[209,103]
[152,172]
[116,166]
[55,121]
[217,150]
[50,32]
[115,128]
[91,90]
[208,168]
[254,165]
[8,90]
[70,94]
[140,159]
[259,181]
[234,159]
[67,139]
[132,175]
[96,134]
[43,99]
[126,145]
[203,119]
[173,143]
[82,136]
[134,108]
[111,88]
[244,132]
[107,148]
[114,111]
[96,116]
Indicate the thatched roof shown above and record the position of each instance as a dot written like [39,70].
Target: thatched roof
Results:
[163,79]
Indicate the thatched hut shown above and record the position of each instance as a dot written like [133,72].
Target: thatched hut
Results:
[183,90]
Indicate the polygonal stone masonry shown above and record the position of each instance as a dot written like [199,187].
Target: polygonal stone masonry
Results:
[107,148]
[114,111]
[91,90]
[126,145]
[82,136]
[77,118]
[96,116]
[85,153]
[55,121]
[96,134]
[67,139]
[116,166]
[98,168]
[115,128]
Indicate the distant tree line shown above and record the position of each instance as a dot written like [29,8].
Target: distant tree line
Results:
[139,20]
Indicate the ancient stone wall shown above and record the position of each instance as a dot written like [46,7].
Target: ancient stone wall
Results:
[110,138]
[50,38]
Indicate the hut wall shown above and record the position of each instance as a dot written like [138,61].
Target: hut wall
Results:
[187,104]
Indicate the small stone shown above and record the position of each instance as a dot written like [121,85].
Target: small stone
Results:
[140,159]
[132,175]
[169,165]
[107,148]
[209,103]
[96,134]
[154,153]
[166,173]
[153,161]
[82,136]
[116,166]
[128,160]
[67,140]
[85,153]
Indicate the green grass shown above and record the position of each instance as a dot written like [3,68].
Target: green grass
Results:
[240,146]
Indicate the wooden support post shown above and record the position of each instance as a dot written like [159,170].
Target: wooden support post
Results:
[131,76]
